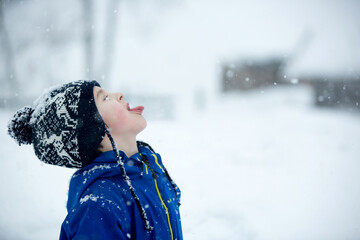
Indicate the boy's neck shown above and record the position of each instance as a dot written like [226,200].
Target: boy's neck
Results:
[126,144]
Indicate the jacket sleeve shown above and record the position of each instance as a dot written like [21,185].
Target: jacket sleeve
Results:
[94,220]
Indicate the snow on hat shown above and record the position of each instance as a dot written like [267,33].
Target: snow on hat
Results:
[64,126]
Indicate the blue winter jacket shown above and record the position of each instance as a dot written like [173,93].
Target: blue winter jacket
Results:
[100,204]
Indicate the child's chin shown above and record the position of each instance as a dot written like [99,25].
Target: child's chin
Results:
[143,125]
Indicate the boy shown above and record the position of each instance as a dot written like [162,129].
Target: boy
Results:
[122,190]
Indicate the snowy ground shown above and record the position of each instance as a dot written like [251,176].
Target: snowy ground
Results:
[253,166]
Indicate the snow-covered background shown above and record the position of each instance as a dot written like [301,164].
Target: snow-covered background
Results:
[264,164]
[258,166]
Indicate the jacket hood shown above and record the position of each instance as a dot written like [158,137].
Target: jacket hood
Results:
[104,166]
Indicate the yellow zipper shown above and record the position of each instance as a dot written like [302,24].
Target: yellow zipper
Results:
[162,202]
[145,166]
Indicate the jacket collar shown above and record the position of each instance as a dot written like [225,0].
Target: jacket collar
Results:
[109,157]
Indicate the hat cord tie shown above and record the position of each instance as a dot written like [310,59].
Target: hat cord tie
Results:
[148,227]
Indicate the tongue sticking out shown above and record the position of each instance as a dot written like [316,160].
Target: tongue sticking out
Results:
[138,109]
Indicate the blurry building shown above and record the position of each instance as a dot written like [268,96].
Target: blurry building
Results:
[343,91]
[250,74]
[336,92]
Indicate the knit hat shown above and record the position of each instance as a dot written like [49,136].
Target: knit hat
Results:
[64,126]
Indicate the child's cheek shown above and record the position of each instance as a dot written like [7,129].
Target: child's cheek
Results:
[121,119]
[113,117]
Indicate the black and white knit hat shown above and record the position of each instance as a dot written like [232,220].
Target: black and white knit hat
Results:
[64,125]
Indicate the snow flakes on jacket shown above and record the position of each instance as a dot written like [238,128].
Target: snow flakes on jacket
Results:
[100,205]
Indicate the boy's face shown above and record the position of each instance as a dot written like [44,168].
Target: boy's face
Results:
[116,113]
